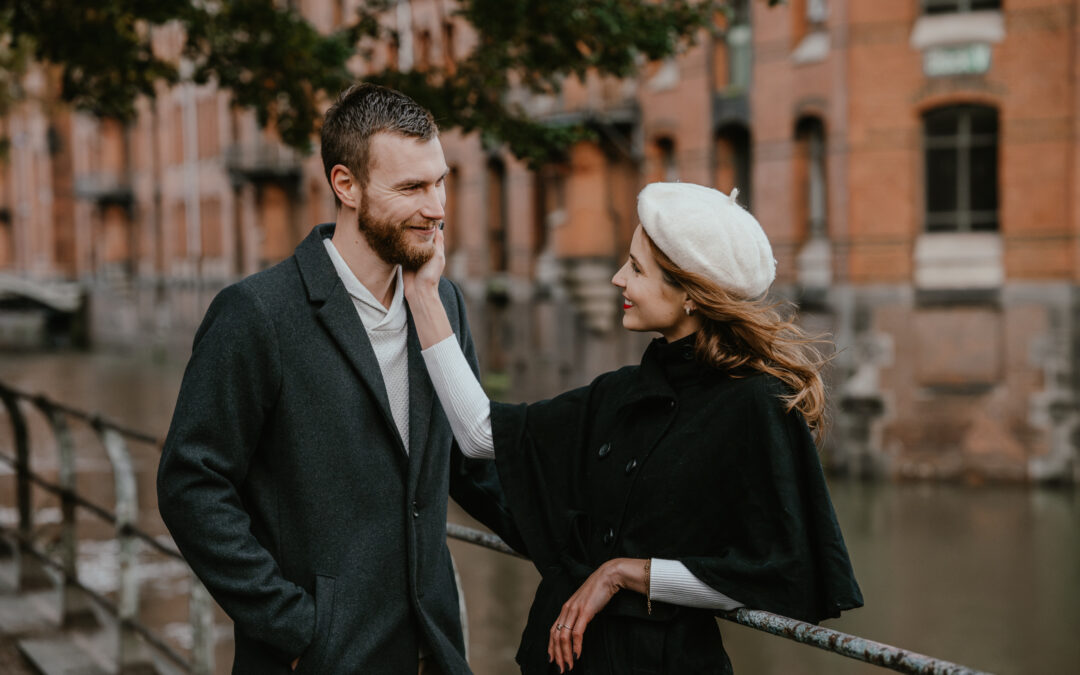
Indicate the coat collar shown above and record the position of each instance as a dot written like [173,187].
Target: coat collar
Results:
[316,268]
[650,380]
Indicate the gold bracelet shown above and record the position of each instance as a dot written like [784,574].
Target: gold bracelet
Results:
[648,598]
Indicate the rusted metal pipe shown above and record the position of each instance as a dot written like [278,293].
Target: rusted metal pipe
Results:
[94,419]
[201,615]
[484,539]
[74,605]
[852,646]
[31,574]
[106,604]
[130,655]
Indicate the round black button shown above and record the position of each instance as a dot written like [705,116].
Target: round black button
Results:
[415,509]
[604,451]
[630,466]
[609,536]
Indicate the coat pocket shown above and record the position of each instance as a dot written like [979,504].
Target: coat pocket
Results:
[312,660]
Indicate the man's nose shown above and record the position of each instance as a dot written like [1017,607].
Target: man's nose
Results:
[433,208]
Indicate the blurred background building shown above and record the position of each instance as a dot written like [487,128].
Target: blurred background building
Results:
[914,163]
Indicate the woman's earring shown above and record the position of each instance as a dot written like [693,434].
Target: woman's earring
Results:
[688,310]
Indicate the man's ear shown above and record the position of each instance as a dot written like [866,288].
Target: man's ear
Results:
[345,186]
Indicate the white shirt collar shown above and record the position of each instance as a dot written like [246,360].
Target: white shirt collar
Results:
[391,318]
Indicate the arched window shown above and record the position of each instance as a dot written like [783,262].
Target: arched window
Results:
[733,161]
[961,153]
[666,161]
[810,181]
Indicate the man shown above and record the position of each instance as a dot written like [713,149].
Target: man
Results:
[306,471]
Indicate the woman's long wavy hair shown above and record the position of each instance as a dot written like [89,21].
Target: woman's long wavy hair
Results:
[739,334]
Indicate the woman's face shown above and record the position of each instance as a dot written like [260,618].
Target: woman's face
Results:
[649,302]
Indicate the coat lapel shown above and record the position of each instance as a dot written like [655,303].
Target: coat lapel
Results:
[338,315]
[421,395]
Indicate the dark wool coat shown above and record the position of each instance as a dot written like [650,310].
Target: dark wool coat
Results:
[670,460]
[285,483]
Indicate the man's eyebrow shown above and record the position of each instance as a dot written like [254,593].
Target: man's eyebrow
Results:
[407,182]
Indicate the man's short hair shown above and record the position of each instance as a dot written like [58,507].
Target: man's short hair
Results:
[360,112]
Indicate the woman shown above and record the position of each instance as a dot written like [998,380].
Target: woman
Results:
[664,492]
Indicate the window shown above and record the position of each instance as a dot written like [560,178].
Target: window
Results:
[496,214]
[667,166]
[960,145]
[817,12]
[807,16]
[956,6]
[451,211]
[211,227]
[393,53]
[207,120]
[550,201]
[738,41]
[423,51]
[449,46]
[733,161]
[810,141]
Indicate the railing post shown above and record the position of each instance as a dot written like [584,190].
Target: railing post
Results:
[31,572]
[131,657]
[201,609]
[462,612]
[75,609]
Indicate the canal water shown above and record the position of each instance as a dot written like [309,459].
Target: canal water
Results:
[988,577]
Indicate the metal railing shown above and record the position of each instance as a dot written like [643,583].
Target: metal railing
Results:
[32,562]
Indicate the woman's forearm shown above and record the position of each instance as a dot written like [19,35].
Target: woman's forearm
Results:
[672,582]
[668,581]
[466,405]
[429,316]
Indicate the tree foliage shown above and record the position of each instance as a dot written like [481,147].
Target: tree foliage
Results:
[275,62]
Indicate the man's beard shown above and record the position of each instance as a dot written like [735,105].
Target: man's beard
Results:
[390,240]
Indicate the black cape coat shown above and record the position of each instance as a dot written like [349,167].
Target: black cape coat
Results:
[670,459]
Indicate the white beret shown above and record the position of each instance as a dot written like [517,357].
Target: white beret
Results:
[706,232]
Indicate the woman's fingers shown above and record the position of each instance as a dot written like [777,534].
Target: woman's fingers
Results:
[566,646]
[554,654]
[578,634]
[554,649]
[566,638]
[560,642]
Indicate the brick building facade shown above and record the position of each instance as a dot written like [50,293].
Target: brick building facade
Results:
[913,162]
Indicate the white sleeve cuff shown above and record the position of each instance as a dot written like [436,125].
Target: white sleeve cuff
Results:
[670,581]
[466,405]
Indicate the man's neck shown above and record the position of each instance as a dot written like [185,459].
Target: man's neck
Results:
[373,272]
